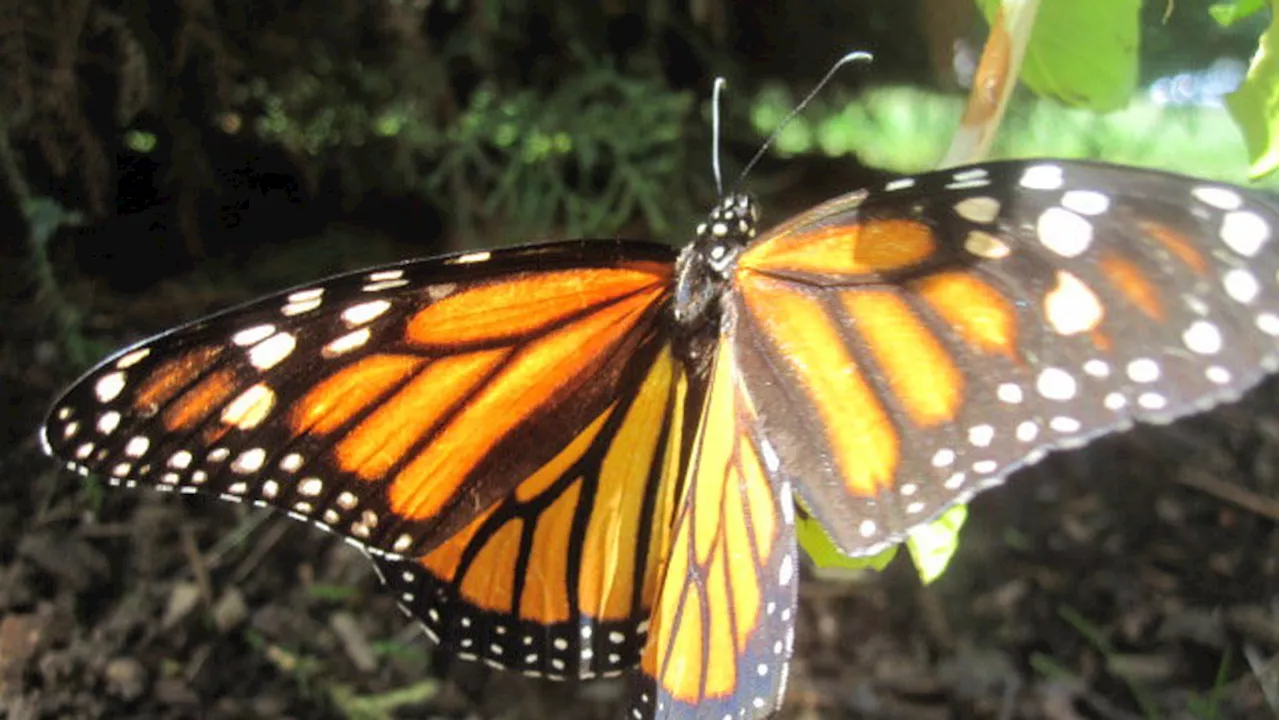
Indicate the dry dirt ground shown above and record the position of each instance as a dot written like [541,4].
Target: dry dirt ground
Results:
[1135,578]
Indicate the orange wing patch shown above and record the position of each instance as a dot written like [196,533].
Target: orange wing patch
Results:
[874,246]
[980,313]
[804,336]
[1133,283]
[720,634]
[921,372]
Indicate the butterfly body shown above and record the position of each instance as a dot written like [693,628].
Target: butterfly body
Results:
[573,458]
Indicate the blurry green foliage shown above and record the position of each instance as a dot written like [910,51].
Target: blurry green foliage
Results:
[1255,105]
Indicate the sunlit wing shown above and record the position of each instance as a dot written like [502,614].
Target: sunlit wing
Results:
[909,346]
[390,406]
[722,629]
[558,578]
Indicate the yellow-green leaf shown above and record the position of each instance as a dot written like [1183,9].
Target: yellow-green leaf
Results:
[1255,105]
[931,546]
[1082,52]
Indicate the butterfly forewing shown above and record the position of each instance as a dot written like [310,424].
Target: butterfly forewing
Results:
[389,406]
[911,345]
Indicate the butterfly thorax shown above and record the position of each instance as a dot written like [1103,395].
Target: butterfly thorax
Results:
[705,265]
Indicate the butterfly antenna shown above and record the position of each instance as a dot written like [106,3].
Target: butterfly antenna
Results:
[716,91]
[855,56]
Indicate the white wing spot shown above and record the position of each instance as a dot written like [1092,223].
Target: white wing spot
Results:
[345,344]
[867,528]
[253,335]
[362,313]
[1056,384]
[1009,393]
[307,295]
[908,489]
[238,488]
[181,460]
[1268,323]
[985,467]
[108,422]
[291,462]
[981,435]
[982,209]
[384,285]
[310,487]
[1097,368]
[82,452]
[137,446]
[1042,177]
[299,307]
[1240,285]
[384,275]
[1203,337]
[1152,401]
[899,184]
[347,500]
[1218,197]
[955,481]
[1086,202]
[1114,401]
[1064,232]
[469,258]
[270,489]
[70,430]
[250,407]
[944,457]
[109,387]
[786,570]
[249,461]
[1245,232]
[1071,307]
[1217,374]
[1027,431]
[1064,424]
[270,352]
[914,508]
[402,543]
[1143,370]
[130,359]
[985,245]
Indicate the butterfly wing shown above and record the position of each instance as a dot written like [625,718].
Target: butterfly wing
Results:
[911,345]
[390,406]
[558,578]
[722,628]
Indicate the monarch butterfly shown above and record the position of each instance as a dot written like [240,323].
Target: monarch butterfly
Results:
[573,458]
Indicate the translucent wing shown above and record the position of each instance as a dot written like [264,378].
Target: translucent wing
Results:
[723,625]
[911,345]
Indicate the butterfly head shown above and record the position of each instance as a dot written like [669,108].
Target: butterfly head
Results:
[707,263]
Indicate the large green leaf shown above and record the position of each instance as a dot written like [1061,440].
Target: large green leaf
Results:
[1255,105]
[1082,52]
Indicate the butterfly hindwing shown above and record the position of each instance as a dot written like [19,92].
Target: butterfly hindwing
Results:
[722,629]
[558,578]
[911,345]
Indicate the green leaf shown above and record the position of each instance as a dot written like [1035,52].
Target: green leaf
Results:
[931,546]
[1230,13]
[1082,52]
[824,553]
[1255,105]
